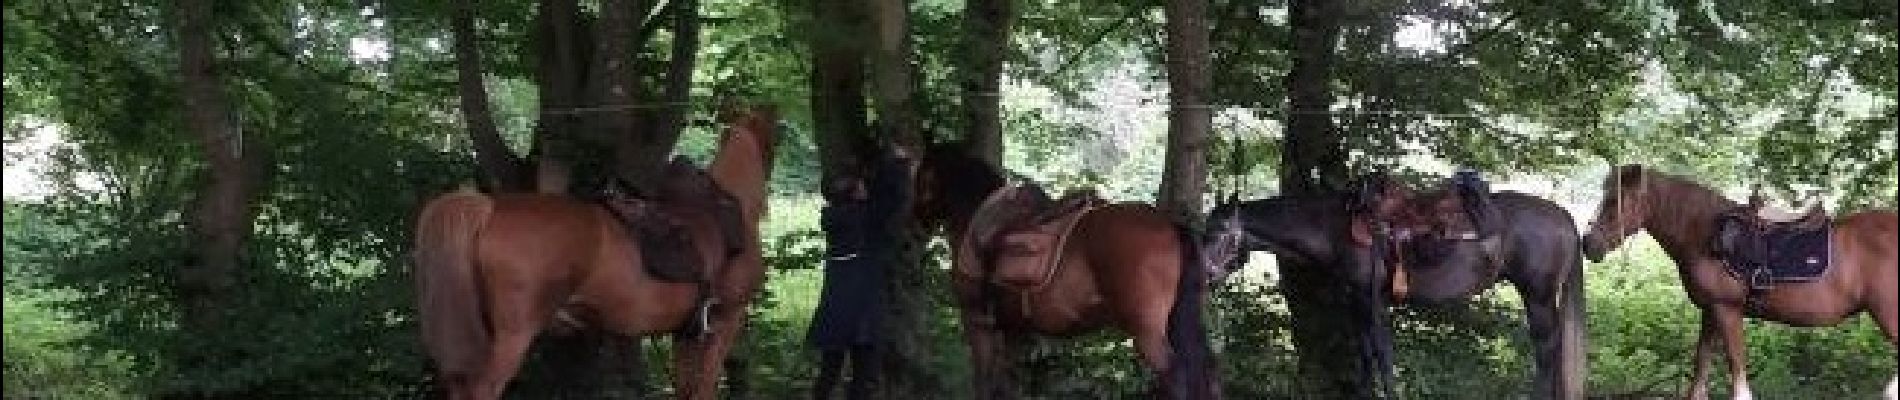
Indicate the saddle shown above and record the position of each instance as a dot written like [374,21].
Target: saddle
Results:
[658,221]
[1779,248]
[1023,232]
[1403,228]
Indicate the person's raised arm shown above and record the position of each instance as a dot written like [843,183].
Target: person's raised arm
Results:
[890,184]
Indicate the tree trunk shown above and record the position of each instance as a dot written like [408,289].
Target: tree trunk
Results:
[220,220]
[558,73]
[988,24]
[893,75]
[837,84]
[1312,162]
[614,89]
[500,169]
[679,81]
[1189,118]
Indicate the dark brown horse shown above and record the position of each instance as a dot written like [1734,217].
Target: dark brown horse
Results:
[1682,216]
[1126,266]
[491,271]
[1362,236]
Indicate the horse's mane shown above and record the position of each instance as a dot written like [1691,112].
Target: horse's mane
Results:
[962,179]
[1674,202]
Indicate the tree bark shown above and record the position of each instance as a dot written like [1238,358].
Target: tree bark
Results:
[614,89]
[1189,119]
[221,216]
[893,94]
[1313,161]
[558,73]
[893,73]
[837,84]
[988,24]
[669,120]
[500,168]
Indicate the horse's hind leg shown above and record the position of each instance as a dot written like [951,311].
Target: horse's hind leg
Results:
[1888,317]
[1152,345]
[516,315]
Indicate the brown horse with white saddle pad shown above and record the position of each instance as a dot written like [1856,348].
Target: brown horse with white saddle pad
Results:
[1023,264]
[1735,264]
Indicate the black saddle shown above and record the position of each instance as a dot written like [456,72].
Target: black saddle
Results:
[1763,252]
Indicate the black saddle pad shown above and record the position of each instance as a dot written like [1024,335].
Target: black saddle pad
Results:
[1782,255]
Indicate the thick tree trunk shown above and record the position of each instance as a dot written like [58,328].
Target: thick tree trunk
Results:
[987,24]
[679,80]
[501,170]
[558,73]
[1314,161]
[837,84]
[220,220]
[1189,118]
[893,75]
[613,88]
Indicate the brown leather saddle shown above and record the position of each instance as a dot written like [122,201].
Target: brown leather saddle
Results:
[658,222]
[1403,227]
[1021,232]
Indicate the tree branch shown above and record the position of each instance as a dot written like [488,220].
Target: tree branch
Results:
[499,165]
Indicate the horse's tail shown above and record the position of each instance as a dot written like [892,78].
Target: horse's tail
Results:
[1191,368]
[449,302]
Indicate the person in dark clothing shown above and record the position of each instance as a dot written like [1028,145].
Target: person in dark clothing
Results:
[857,225]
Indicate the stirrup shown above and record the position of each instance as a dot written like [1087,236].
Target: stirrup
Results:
[701,323]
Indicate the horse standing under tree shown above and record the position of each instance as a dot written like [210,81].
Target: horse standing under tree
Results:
[492,271]
[1684,217]
[1449,245]
[1125,265]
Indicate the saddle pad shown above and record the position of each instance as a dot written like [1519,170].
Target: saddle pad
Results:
[1022,259]
[667,250]
[1028,258]
[1784,255]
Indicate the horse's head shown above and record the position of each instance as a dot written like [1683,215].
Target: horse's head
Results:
[950,183]
[1224,248]
[760,122]
[1623,211]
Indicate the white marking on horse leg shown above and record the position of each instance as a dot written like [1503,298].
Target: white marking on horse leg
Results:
[1742,392]
[1893,388]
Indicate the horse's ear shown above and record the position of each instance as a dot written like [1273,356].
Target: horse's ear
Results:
[1632,176]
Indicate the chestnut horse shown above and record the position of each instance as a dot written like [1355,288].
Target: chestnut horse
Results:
[1682,215]
[1125,266]
[492,269]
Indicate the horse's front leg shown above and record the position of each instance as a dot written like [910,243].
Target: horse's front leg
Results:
[1704,349]
[1728,321]
[990,380]
[700,362]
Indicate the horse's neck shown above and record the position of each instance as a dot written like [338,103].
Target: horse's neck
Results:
[1299,224]
[741,169]
[1682,222]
